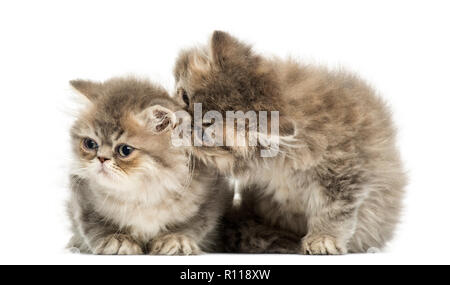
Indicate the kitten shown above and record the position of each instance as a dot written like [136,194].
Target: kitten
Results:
[337,179]
[132,191]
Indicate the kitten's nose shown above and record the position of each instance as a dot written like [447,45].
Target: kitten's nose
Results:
[102,159]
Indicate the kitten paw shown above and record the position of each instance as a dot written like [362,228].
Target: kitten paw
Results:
[118,244]
[174,244]
[321,244]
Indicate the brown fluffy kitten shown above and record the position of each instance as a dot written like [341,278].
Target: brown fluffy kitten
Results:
[339,182]
[132,191]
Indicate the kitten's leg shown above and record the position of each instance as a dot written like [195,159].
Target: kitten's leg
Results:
[186,239]
[174,244]
[117,244]
[103,238]
[331,223]
[92,231]
[199,233]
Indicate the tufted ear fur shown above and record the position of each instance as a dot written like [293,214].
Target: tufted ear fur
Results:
[157,118]
[227,49]
[88,88]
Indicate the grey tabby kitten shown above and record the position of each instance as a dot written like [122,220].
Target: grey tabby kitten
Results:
[132,191]
[337,182]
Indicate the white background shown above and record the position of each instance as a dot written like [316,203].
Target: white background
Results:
[401,47]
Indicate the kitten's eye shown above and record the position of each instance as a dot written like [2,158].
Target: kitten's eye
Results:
[90,144]
[124,150]
[185,97]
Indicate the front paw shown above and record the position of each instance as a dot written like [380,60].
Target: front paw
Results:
[174,244]
[321,244]
[118,244]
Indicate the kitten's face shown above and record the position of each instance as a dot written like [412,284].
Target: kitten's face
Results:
[123,137]
[224,76]
[115,158]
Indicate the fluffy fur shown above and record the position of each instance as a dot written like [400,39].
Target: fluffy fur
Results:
[337,182]
[157,199]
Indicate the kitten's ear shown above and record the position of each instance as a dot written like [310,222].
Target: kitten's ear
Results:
[157,118]
[226,48]
[88,88]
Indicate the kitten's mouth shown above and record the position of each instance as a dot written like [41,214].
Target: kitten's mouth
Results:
[103,171]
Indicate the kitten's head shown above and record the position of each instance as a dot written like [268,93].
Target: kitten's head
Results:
[122,137]
[225,75]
